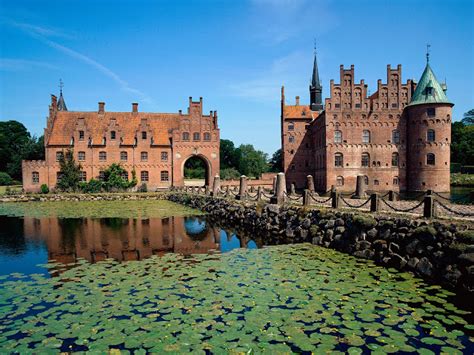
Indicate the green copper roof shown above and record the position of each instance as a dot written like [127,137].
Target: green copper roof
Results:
[428,90]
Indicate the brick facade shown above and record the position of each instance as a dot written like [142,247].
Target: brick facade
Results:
[155,145]
[386,137]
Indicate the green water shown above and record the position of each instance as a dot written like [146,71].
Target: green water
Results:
[294,298]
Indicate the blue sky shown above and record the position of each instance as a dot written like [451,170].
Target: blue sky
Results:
[235,54]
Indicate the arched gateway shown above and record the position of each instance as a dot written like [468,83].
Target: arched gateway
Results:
[154,145]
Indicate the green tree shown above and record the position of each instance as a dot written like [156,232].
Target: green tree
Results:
[276,162]
[252,162]
[69,171]
[462,143]
[229,155]
[468,118]
[116,178]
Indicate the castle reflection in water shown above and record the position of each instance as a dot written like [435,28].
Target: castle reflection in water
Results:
[128,239]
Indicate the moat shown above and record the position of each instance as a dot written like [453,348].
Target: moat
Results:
[181,284]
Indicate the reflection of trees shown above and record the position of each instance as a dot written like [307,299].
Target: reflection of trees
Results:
[114,223]
[12,237]
[69,228]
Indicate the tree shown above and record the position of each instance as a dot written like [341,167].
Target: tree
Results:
[468,118]
[116,178]
[229,156]
[252,162]
[276,162]
[69,171]
[462,146]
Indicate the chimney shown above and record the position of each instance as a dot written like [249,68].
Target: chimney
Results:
[297,100]
[135,107]
[101,107]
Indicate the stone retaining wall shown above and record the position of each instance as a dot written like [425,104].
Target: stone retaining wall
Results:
[125,196]
[436,251]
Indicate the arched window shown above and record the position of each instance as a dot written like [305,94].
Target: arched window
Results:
[144,176]
[102,156]
[291,126]
[81,156]
[207,136]
[35,177]
[430,135]
[366,180]
[430,159]
[123,156]
[366,136]
[337,136]
[338,160]
[340,181]
[396,136]
[144,156]
[395,180]
[376,182]
[196,136]
[365,160]
[395,159]
[185,136]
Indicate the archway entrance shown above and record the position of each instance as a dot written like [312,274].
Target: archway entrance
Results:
[196,171]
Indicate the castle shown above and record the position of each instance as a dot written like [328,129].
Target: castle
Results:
[398,138]
[154,145]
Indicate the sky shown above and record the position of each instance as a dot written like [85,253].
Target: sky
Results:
[235,54]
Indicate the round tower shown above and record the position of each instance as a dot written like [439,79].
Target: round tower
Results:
[428,136]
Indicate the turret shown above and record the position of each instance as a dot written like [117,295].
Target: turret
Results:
[428,135]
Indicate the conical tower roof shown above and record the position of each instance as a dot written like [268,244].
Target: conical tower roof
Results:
[315,77]
[61,103]
[428,90]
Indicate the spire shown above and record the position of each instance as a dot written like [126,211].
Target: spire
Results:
[315,89]
[429,90]
[61,102]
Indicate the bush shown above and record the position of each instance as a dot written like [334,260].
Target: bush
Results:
[44,189]
[462,179]
[229,174]
[364,221]
[114,179]
[5,179]
[142,188]
[93,186]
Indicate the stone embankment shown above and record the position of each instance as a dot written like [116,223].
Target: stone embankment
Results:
[124,196]
[437,251]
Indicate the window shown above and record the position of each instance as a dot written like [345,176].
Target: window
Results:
[429,90]
[291,127]
[81,156]
[124,175]
[112,135]
[59,156]
[207,136]
[396,136]
[196,136]
[366,180]
[340,181]
[291,139]
[144,176]
[143,134]
[123,156]
[430,135]
[430,159]
[337,137]
[185,136]
[376,182]
[395,180]
[81,135]
[337,105]
[365,160]
[59,176]
[164,175]
[35,177]
[144,156]
[394,105]
[357,105]
[338,160]
[164,156]
[83,176]
[102,156]
[101,175]
[293,167]
[366,136]
[395,159]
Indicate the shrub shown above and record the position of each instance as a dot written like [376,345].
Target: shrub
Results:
[114,178]
[466,236]
[364,221]
[44,189]
[93,186]
[142,188]
[5,179]
[229,174]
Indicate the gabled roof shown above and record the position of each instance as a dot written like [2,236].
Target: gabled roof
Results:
[428,90]
[299,112]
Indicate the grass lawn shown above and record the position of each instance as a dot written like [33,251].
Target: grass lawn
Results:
[97,209]
[13,188]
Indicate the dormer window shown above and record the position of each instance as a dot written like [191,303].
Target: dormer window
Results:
[429,91]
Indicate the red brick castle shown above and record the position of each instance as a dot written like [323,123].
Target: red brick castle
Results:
[155,145]
[398,138]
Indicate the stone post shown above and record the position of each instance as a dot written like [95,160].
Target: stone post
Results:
[259,193]
[334,197]
[310,183]
[242,188]
[391,195]
[361,188]
[374,202]
[292,189]
[306,197]
[206,190]
[216,186]
[429,210]
[274,184]
[279,194]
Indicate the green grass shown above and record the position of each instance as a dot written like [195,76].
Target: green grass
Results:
[97,209]
[12,187]
[458,179]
